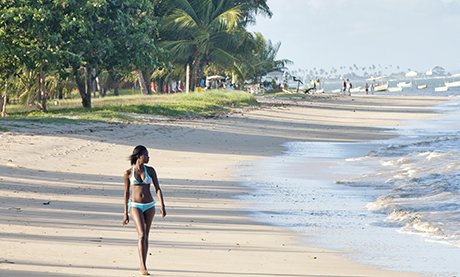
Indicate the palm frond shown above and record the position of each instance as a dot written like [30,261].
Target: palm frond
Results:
[229,20]
[187,8]
[179,50]
[223,57]
[181,19]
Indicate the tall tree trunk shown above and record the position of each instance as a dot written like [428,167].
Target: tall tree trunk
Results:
[1,98]
[86,101]
[4,101]
[39,95]
[114,82]
[196,73]
[160,85]
[82,85]
[187,79]
[92,80]
[42,91]
[140,78]
[99,87]
[116,86]
[85,75]
[148,81]
[60,92]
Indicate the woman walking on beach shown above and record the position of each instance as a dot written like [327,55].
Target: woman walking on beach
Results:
[141,206]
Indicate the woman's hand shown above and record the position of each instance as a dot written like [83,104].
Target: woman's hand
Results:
[125,219]
[163,211]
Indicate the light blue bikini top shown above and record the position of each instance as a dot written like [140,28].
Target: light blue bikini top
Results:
[147,180]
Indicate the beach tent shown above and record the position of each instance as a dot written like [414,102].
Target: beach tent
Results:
[214,81]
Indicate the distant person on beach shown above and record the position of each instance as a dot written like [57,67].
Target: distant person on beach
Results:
[141,206]
[366,88]
[312,88]
[344,85]
[349,86]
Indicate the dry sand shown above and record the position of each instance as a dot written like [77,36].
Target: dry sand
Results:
[61,191]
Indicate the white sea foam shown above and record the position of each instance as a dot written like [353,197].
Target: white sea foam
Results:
[364,204]
[423,180]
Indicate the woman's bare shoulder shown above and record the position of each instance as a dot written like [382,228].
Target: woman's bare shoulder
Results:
[127,172]
[150,169]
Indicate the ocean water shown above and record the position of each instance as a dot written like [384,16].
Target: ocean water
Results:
[393,204]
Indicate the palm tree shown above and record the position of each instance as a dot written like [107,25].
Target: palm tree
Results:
[260,60]
[201,32]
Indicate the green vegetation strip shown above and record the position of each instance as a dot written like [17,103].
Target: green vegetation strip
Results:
[118,108]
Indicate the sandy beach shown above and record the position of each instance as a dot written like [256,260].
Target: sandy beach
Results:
[61,190]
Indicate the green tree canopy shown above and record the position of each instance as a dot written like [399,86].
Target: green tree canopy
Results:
[205,32]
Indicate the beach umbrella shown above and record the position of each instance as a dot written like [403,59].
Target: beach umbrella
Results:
[215,77]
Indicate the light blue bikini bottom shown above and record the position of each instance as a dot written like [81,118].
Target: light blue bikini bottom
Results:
[141,206]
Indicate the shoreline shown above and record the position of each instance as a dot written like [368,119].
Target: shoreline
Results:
[196,160]
[286,169]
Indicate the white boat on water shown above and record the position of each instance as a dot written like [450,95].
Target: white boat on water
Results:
[441,89]
[452,84]
[382,87]
[422,86]
[395,89]
[404,84]
[378,83]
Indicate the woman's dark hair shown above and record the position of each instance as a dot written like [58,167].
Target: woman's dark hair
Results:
[137,152]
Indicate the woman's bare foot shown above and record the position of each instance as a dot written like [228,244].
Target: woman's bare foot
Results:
[144,272]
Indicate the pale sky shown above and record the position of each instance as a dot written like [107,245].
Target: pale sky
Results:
[416,34]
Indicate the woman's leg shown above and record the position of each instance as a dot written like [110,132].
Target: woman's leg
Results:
[148,219]
[138,217]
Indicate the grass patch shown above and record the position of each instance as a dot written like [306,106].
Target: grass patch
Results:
[116,108]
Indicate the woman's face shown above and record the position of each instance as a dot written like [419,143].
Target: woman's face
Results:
[144,158]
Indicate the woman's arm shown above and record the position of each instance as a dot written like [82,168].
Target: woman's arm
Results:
[158,192]
[126,198]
